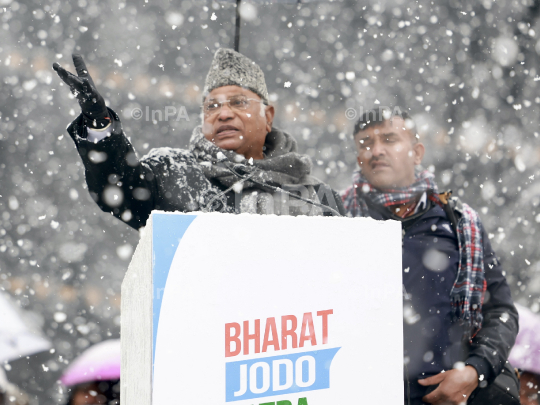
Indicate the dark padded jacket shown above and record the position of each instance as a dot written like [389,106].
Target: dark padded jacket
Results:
[167,179]
[432,342]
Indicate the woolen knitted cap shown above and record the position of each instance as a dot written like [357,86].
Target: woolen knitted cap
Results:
[230,68]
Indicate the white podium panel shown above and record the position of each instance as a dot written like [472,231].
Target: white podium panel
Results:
[251,309]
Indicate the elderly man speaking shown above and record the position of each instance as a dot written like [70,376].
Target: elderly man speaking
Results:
[237,162]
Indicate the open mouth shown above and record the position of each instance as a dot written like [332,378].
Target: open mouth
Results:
[226,130]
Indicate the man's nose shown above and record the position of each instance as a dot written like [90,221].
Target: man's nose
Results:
[225,112]
[377,148]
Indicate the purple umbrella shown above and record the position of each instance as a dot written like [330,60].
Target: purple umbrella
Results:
[526,352]
[100,362]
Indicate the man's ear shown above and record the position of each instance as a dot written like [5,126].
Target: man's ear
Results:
[355,140]
[269,113]
[419,151]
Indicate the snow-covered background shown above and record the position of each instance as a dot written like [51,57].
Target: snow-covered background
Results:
[468,72]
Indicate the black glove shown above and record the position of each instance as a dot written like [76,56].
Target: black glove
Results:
[92,104]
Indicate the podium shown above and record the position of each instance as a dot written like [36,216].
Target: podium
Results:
[252,309]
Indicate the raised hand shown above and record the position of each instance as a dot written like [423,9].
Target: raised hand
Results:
[82,86]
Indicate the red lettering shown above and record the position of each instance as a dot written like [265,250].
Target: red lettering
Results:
[307,323]
[256,337]
[235,334]
[288,332]
[232,338]
[324,315]
[270,327]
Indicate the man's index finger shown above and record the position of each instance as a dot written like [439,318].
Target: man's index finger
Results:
[69,78]
[66,76]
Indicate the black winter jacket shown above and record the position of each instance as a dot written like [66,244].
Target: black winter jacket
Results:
[432,342]
[167,179]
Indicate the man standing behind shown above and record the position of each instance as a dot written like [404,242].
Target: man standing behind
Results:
[237,161]
[459,318]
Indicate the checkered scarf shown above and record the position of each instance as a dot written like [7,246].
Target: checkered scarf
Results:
[467,294]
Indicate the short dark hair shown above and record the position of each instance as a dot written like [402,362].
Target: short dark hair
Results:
[378,115]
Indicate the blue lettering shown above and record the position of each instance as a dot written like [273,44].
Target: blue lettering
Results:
[278,375]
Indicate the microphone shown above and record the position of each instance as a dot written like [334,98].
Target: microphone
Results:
[242,169]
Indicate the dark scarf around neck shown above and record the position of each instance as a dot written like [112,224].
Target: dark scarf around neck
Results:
[281,165]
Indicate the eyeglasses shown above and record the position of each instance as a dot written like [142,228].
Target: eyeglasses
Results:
[235,103]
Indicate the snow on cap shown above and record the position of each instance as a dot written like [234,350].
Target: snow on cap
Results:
[230,68]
